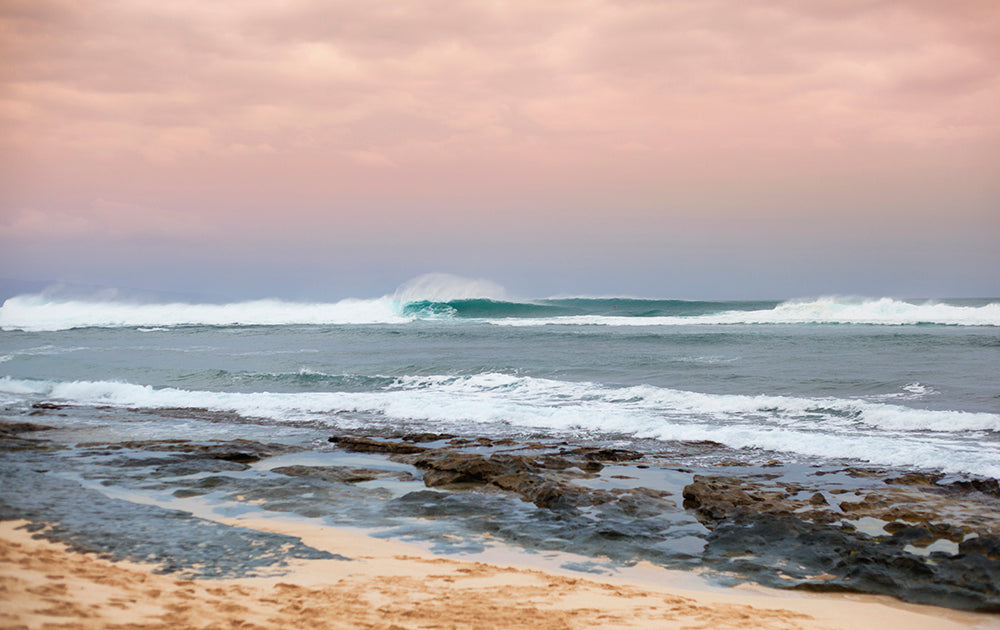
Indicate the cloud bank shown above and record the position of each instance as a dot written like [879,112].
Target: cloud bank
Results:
[305,123]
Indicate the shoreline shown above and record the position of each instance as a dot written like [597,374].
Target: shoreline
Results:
[391,584]
[495,523]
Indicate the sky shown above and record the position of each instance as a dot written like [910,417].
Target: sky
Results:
[672,148]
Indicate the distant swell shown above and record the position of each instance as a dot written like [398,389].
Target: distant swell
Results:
[884,312]
[866,430]
[40,313]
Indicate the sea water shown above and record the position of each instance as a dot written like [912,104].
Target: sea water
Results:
[909,384]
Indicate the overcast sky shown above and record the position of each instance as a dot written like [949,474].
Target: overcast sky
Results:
[688,149]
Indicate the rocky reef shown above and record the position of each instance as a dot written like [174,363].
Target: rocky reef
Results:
[918,536]
[913,538]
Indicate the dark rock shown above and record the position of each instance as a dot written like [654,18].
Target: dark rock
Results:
[14,428]
[552,462]
[520,474]
[191,467]
[606,454]
[947,531]
[819,516]
[203,486]
[239,457]
[916,479]
[899,513]
[644,503]
[754,544]
[850,507]
[368,445]
[862,472]
[534,446]
[913,535]
[988,546]
[986,486]
[547,495]
[451,467]
[425,437]
[239,451]
[766,533]
[341,474]
[894,527]
[705,443]
[715,498]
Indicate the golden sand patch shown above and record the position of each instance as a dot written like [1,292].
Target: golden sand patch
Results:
[43,585]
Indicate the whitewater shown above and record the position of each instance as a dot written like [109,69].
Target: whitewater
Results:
[881,381]
[40,313]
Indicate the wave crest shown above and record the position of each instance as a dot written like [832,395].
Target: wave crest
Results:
[827,310]
[444,297]
[877,432]
[444,287]
[39,313]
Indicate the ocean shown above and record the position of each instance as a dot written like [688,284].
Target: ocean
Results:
[909,384]
[831,443]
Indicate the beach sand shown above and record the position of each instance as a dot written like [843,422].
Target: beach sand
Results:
[392,585]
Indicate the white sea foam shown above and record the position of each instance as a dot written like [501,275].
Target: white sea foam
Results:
[44,312]
[883,434]
[917,389]
[883,311]
[910,391]
[38,313]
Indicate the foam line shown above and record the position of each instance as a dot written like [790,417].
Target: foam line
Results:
[883,311]
[38,313]
[877,432]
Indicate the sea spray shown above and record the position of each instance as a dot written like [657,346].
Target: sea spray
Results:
[443,287]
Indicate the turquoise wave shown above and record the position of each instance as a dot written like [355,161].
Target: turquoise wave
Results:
[482,308]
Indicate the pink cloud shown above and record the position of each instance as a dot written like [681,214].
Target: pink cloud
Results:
[308,110]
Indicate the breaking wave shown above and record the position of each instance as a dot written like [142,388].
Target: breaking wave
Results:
[47,313]
[883,311]
[876,432]
[39,313]
[441,297]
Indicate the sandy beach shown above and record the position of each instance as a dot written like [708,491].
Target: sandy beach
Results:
[394,585]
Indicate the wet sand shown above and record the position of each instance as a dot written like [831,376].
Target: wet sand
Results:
[388,585]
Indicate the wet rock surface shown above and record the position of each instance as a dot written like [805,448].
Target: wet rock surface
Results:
[20,435]
[523,475]
[782,533]
[342,474]
[237,451]
[16,429]
[922,537]
[368,445]
[781,537]
[89,521]
[787,552]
